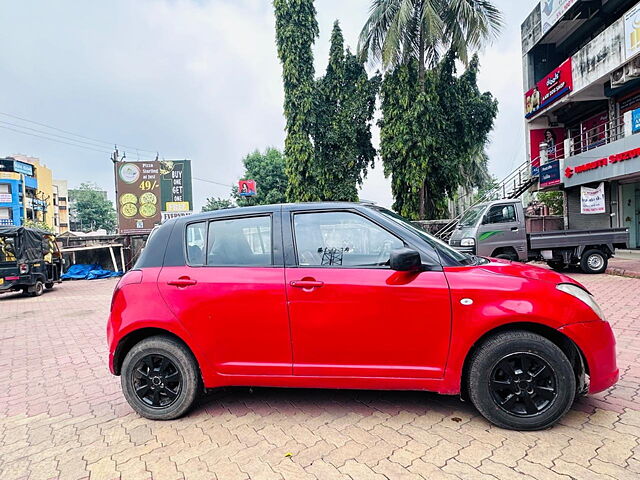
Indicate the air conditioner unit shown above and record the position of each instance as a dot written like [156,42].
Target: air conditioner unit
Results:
[632,69]
[619,77]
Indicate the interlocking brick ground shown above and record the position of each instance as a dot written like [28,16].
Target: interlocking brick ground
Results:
[62,415]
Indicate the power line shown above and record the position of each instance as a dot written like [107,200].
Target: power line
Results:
[55,140]
[211,181]
[75,134]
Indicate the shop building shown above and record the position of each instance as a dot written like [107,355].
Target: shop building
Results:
[60,206]
[581,73]
[18,188]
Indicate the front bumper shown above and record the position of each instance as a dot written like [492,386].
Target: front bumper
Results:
[598,344]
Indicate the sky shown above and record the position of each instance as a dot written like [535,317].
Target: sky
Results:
[196,79]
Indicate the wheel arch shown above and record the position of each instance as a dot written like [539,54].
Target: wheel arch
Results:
[127,342]
[562,341]
[504,250]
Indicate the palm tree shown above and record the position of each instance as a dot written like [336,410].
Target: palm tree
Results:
[401,30]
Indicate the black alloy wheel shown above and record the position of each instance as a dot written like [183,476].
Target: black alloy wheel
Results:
[523,384]
[156,381]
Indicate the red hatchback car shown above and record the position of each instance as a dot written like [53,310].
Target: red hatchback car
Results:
[340,295]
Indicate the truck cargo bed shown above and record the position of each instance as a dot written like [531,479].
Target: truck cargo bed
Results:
[617,237]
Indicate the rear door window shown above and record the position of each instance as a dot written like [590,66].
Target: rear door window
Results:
[240,242]
[196,241]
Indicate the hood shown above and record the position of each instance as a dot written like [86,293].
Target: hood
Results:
[524,270]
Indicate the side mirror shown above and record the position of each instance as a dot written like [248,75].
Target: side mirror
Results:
[405,260]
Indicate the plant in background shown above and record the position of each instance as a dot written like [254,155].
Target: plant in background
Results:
[37,224]
[553,200]
[268,170]
[92,209]
[214,204]
[344,104]
[428,145]
[296,31]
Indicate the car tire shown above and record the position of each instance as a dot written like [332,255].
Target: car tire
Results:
[38,289]
[516,394]
[160,378]
[593,261]
[557,265]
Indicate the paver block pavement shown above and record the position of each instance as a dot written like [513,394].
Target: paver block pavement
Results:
[62,415]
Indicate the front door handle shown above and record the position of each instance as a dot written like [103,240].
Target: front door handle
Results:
[306,284]
[182,282]
[514,229]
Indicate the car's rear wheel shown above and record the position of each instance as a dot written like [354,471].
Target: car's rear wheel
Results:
[521,381]
[160,378]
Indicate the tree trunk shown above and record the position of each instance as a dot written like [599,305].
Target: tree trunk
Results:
[421,84]
[421,202]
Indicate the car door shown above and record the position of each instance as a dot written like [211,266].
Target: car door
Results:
[500,229]
[351,315]
[230,295]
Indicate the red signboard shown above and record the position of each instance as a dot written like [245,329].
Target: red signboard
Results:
[247,188]
[549,90]
[553,137]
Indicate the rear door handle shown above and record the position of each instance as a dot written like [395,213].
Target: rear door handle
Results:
[307,284]
[182,282]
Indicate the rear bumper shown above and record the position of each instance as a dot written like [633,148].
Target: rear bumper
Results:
[598,344]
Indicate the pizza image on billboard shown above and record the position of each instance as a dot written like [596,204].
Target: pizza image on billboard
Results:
[128,198]
[148,210]
[129,210]
[148,198]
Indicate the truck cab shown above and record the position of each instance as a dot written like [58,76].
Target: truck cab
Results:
[493,229]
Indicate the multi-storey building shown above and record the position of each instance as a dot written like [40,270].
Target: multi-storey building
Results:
[61,206]
[581,71]
[18,191]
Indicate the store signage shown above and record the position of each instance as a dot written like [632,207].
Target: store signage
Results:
[632,32]
[138,192]
[169,215]
[602,162]
[550,89]
[5,198]
[635,121]
[23,168]
[552,11]
[550,174]
[9,176]
[592,200]
[553,137]
[247,188]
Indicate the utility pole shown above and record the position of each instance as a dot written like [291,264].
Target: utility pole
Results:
[115,158]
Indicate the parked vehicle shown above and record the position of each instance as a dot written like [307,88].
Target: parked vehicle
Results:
[498,229]
[30,260]
[340,295]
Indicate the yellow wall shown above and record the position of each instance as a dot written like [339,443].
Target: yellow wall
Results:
[45,185]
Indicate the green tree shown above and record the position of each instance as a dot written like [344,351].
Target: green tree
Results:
[296,31]
[214,204]
[553,200]
[399,31]
[268,170]
[431,134]
[344,104]
[92,209]
[37,224]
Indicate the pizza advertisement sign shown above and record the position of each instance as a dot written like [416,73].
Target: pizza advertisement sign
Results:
[138,196]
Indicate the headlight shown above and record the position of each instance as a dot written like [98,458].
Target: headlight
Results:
[581,295]
[467,242]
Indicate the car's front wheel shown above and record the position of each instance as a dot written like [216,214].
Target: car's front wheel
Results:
[521,381]
[160,378]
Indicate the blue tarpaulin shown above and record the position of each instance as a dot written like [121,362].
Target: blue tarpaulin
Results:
[88,272]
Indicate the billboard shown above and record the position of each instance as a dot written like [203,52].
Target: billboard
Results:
[553,137]
[550,89]
[175,186]
[138,196]
[632,32]
[552,11]
[247,188]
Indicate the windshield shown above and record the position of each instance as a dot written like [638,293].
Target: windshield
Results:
[472,216]
[442,248]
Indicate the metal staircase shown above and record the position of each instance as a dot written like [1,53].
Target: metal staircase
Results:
[513,185]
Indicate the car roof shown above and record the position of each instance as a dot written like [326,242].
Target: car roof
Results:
[232,212]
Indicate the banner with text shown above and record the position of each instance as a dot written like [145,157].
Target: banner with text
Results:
[550,89]
[138,196]
[592,200]
[552,11]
